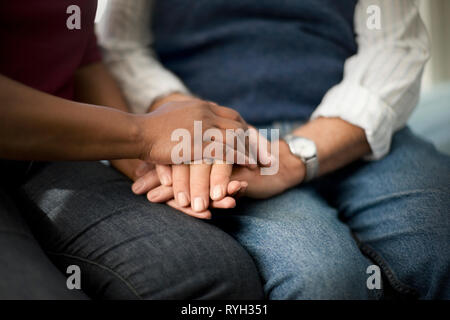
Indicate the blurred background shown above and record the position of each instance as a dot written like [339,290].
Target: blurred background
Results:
[436,14]
[431,119]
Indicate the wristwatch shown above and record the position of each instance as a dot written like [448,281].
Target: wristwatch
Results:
[306,150]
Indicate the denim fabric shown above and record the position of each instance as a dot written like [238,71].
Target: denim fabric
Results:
[85,214]
[316,241]
[269,60]
[311,242]
[25,271]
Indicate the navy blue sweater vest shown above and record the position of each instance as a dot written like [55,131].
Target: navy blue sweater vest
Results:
[268,59]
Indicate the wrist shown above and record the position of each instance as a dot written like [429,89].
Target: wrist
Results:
[142,141]
[292,167]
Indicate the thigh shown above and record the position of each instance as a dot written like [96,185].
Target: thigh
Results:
[25,271]
[399,208]
[127,247]
[300,247]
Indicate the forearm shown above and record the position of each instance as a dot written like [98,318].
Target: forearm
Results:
[95,85]
[38,126]
[338,142]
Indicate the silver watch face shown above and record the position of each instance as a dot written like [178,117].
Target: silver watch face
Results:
[304,147]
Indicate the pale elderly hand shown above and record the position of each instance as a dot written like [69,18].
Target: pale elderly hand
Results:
[192,189]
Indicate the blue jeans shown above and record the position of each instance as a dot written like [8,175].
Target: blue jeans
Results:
[316,241]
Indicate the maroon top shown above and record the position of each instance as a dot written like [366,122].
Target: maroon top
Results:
[38,49]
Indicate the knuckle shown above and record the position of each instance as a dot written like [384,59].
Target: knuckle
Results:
[220,178]
[204,113]
[179,182]
[235,114]
[199,185]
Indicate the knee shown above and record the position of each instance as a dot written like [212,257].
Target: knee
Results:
[227,272]
[321,275]
[428,271]
[207,264]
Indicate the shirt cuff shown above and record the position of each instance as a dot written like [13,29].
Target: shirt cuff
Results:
[362,108]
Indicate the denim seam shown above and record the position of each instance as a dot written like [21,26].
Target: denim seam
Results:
[394,281]
[115,274]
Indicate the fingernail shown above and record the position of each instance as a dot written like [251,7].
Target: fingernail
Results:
[182,199]
[199,204]
[153,195]
[138,186]
[217,193]
[165,180]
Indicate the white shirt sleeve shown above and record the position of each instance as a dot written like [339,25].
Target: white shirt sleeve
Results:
[381,82]
[125,35]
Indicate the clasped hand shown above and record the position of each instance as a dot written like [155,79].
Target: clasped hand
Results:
[197,187]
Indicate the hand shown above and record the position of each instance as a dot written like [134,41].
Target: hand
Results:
[291,173]
[158,126]
[181,183]
[132,168]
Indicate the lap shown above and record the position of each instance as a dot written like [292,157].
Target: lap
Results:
[300,247]
[26,272]
[398,207]
[412,166]
[87,215]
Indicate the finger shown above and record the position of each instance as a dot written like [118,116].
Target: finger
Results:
[146,183]
[225,203]
[180,182]
[142,168]
[228,113]
[224,123]
[219,179]
[199,186]
[242,190]
[188,210]
[251,143]
[234,187]
[217,150]
[238,138]
[160,194]
[223,144]
[259,143]
[164,174]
